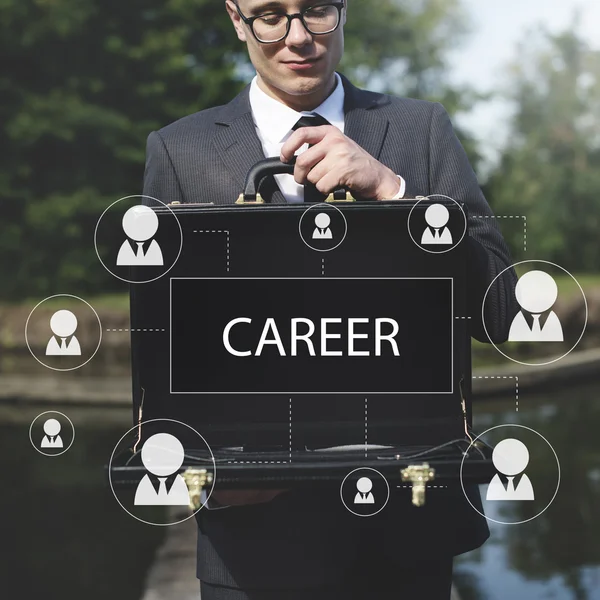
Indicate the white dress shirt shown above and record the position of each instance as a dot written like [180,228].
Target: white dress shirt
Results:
[274,121]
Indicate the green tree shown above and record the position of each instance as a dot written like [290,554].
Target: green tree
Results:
[550,168]
[403,47]
[83,82]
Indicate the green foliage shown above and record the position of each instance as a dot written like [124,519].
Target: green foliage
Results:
[402,47]
[550,169]
[83,82]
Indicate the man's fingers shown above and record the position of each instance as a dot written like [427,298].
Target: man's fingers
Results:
[309,160]
[328,183]
[304,135]
[324,167]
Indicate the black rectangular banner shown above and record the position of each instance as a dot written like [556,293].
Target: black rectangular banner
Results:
[311,335]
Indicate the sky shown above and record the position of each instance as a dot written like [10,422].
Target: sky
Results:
[496,28]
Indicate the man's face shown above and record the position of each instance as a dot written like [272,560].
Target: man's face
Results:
[278,74]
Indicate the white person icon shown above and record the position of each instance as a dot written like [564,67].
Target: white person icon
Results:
[322,230]
[364,495]
[536,293]
[140,224]
[52,438]
[63,325]
[510,457]
[162,456]
[437,217]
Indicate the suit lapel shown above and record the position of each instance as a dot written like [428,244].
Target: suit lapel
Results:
[367,125]
[240,149]
[363,123]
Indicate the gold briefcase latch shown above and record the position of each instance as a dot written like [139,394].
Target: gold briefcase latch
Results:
[196,480]
[242,200]
[418,475]
[339,197]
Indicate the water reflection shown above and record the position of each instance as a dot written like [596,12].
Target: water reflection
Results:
[64,535]
[557,554]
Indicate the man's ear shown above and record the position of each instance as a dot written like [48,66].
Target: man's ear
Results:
[236,20]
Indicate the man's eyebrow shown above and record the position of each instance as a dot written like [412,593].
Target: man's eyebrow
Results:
[263,7]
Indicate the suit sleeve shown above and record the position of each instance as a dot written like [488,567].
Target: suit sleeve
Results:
[160,179]
[451,174]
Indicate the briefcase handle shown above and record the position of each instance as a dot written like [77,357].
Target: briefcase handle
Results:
[273,166]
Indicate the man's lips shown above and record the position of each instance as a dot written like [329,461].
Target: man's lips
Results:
[300,62]
[300,65]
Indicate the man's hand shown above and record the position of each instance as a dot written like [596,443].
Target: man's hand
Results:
[337,161]
[242,497]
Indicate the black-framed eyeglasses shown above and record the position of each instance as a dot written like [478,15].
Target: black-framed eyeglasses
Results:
[272,27]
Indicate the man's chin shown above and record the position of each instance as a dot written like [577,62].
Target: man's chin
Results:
[301,84]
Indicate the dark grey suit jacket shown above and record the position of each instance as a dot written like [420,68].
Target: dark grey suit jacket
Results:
[298,539]
[205,157]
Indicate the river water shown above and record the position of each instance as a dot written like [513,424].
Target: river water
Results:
[557,554]
[65,537]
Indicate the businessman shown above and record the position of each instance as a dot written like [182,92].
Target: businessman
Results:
[284,545]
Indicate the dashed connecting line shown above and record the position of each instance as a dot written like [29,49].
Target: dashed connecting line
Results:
[429,487]
[124,329]
[515,377]
[323,267]
[509,217]
[462,317]
[267,462]
[226,231]
[366,426]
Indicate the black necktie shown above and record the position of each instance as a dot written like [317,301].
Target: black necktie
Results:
[311,193]
[169,481]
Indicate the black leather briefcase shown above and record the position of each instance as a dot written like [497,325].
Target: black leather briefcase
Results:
[300,354]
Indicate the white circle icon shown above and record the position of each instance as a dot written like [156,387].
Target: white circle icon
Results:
[322,220]
[510,456]
[53,339]
[162,454]
[52,433]
[323,227]
[63,323]
[52,427]
[538,319]
[437,216]
[364,485]
[536,291]
[438,234]
[141,246]
[140,223]
[153,472]
[514,492]
[367,495]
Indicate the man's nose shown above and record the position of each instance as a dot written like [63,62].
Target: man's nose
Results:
[298,35]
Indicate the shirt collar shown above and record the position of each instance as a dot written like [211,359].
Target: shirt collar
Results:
[275,120]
